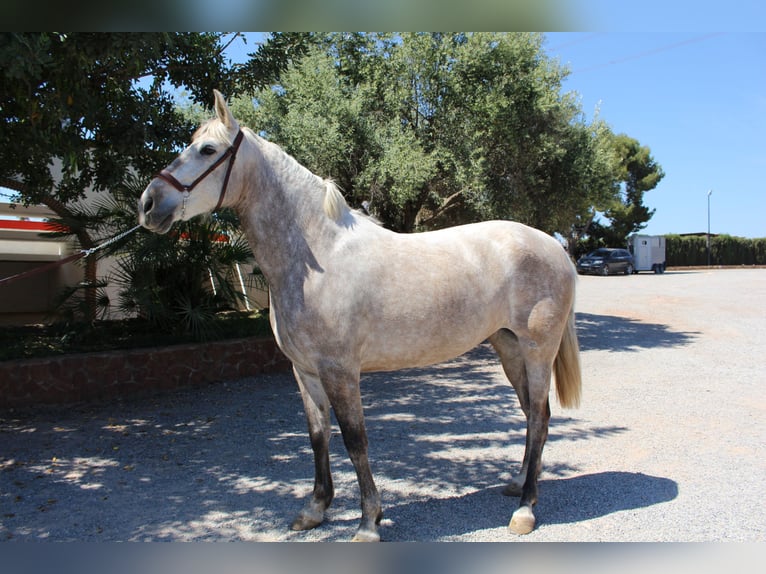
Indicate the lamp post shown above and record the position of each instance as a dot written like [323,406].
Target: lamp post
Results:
[709,193]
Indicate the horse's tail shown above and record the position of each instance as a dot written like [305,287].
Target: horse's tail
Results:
[566,367]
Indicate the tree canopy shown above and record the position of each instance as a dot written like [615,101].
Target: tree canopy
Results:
[637,172]
[434,129]
[76,98]
[79,98]
[93,110]
[428,129]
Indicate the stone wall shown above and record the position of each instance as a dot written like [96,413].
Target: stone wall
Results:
[115,374]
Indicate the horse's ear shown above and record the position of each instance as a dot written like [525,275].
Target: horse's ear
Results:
[222,110]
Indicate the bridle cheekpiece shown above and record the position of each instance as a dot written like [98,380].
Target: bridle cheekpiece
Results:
[230,154]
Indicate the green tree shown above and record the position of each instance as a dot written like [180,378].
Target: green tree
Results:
[532,157]
[600,177]
[415,175]
[75,100]
[435,129]
[637,172]
[82,110]
[316,119]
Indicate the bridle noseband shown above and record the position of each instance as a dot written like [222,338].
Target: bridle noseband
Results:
[230,154]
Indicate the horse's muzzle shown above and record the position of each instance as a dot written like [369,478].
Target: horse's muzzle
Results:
[152,215]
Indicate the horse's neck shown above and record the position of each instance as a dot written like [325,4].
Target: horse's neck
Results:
[283,218]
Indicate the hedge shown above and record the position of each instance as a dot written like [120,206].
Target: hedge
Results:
[690,250]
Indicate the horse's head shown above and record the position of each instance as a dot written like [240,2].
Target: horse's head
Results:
[196,181]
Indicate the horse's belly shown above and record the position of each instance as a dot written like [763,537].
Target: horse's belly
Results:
[409,359]
[420,345]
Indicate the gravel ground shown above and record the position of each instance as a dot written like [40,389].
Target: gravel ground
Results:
[669,444]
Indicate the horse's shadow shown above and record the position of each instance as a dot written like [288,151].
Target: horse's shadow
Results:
[562,501]
[610,333]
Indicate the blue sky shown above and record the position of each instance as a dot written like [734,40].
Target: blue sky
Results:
[697,99]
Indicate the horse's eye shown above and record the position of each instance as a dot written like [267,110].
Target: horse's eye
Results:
[207,150]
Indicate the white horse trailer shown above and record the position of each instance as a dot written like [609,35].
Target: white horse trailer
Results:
[648,252]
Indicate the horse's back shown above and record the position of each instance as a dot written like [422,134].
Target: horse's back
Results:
[487,253]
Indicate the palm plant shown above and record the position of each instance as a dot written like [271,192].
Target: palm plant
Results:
[177,282]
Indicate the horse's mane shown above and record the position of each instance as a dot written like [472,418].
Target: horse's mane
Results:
[334,204]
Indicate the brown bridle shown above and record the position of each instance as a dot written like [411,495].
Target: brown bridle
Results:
[230,154]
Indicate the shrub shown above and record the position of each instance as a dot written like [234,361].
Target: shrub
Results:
[691,250]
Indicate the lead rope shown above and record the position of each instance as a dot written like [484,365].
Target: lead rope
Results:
[86,252]
[79,255]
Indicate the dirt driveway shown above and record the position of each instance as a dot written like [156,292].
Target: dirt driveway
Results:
[669,444]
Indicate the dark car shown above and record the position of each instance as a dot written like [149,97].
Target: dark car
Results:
[606,261]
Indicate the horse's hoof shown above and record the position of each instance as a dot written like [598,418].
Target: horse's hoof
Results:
[307,520]
[366,536]
[522,521]
[512,489]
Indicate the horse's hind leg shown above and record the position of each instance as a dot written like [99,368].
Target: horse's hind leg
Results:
[530,374]
[538,377]
[507,346]
[317,407]
[508,349]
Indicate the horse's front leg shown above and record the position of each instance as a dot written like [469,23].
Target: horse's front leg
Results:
[343,389]
[317,407]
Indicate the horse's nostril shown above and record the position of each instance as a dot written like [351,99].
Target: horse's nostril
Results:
[148,204]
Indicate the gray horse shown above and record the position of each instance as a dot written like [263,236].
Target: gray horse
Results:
[348,296]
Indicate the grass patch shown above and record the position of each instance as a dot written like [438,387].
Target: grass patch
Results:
[33,341]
